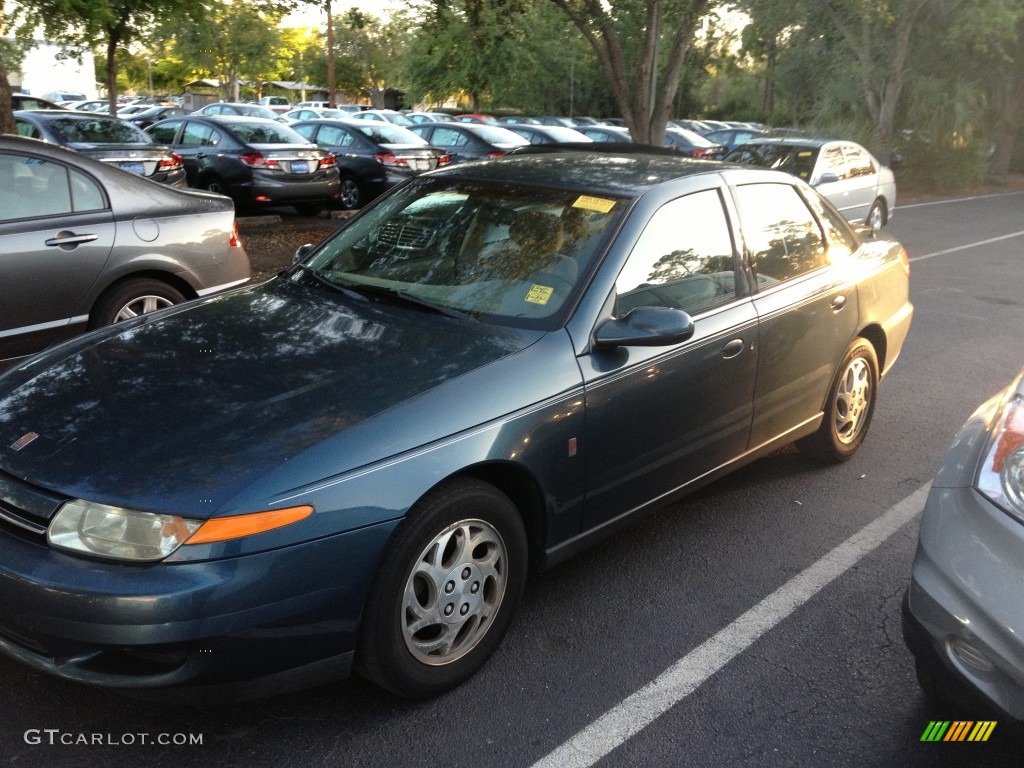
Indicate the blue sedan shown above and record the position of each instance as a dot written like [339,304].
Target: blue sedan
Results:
[355,464]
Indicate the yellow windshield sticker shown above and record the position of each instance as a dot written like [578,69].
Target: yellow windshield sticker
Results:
[599,204]
[539,294]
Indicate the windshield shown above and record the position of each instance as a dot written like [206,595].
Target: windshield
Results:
[267,133]
[513,255]
[794,159]
[97,130]
[387,133]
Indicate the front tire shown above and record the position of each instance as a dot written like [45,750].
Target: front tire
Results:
[849,407]
[445,591]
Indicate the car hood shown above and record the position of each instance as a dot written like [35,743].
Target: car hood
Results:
[199,402]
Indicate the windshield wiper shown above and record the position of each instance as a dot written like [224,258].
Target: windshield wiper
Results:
[317,275]
[404,297]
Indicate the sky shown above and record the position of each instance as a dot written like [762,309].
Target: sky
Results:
[315,16]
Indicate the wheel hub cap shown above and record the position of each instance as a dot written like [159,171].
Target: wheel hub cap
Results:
[852,400]
[454,590]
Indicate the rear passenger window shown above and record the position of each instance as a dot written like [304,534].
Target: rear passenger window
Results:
[782,234]
[163,133]
[684,258]
[335,137]
[86,194]
[196,135]
[32,187]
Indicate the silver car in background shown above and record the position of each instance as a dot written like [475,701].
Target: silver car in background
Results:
[863,189]
[963,613]
[85,244]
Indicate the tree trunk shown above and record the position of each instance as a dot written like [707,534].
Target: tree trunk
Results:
[1010,118]
[643,105]
[6,104]
[331,82]
[6,108]
[113,38]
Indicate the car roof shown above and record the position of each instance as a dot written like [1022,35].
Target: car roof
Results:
[622,174]
[73,114]
[228,119]
[794,141]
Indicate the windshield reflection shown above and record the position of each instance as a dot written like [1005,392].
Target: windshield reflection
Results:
[516,256]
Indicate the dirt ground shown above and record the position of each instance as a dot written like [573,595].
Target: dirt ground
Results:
[271,247]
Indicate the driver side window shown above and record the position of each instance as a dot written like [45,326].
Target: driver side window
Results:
[684,259]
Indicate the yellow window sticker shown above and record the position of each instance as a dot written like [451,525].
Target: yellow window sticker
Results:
[599,204]
[539,294]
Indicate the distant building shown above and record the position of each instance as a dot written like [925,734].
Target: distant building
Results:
[46,69]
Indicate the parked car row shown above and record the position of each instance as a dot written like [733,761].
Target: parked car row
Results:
[862,188]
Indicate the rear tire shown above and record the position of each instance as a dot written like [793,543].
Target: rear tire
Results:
[848,408]
[214,184]
[350,193]
[131,298]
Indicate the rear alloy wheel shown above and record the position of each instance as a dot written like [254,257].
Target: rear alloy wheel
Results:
[445,591]
[849,407]
[877,216]
[132,298]
[214,184]
[350,194]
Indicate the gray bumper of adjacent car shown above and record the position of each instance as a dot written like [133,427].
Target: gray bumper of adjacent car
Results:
[963,611]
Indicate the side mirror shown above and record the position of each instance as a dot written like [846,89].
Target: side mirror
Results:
[645,327]
[826,178]
[302,252]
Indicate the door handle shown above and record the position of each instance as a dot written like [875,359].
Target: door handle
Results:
[68,241]
[200,155]
[838,303]
[733,348]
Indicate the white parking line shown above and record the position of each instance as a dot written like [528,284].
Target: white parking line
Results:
[642,708]
[967,246]
[948,200]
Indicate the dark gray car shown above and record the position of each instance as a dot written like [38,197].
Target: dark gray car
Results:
[256,162]
[84,244]
[105,138]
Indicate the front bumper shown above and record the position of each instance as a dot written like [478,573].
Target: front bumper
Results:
[262,623]
[963,613]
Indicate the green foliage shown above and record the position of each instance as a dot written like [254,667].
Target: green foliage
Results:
[468,50]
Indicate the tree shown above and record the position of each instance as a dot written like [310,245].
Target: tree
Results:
[877,33]
[6,54]
[239,39]
[369,57]
[467,47]
[627,37]
[112,24]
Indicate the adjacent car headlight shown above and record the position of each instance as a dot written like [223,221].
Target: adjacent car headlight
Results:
[1001,476]
[127,534]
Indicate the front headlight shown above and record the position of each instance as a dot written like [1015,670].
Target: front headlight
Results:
[1001,477]
[127,534]
[124,534]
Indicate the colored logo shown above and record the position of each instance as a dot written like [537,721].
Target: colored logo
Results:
[958,730]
